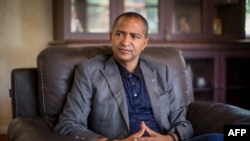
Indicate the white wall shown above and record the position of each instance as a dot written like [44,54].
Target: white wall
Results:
[25,29]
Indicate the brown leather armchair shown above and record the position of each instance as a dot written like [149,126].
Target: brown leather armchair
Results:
[38,94]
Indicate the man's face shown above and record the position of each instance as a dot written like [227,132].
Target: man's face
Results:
[128,40]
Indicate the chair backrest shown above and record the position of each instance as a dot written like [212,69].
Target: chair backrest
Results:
[56,67]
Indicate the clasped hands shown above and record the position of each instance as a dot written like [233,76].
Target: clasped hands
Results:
[153,136]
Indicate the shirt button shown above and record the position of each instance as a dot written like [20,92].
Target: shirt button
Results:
[135,94]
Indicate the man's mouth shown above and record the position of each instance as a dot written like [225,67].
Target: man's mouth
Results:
[124,50]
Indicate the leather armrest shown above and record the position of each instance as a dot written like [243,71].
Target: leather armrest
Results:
[207,117]
[23,92]
[33,129]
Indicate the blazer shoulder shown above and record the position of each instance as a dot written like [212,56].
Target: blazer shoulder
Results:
[97,60]
[95,63]
[153,63]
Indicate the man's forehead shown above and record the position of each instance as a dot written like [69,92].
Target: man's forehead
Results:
[130,25]
[129,32]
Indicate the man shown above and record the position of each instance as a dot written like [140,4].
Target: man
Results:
[124,96]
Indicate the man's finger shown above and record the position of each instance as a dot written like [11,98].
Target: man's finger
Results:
[148,130]
[141,131]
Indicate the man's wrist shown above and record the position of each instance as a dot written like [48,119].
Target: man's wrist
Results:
[173,136]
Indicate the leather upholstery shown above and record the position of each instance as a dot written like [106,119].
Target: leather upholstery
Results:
[207,117]
[23,92]
[38,94]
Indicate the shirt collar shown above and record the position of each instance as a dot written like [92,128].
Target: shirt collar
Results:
[124,72]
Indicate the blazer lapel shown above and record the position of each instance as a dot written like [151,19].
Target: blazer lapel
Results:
[113,77]
[152,87]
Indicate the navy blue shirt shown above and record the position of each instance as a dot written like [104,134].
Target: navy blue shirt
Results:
[138,101]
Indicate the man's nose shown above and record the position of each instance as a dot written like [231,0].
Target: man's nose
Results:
[126,40]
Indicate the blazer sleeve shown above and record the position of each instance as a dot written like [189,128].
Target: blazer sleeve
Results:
[73,121]
[177,117]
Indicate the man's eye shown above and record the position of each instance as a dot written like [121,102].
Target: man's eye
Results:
[135,37]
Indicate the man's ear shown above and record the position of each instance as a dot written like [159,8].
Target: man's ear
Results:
[110,36]
[145,43]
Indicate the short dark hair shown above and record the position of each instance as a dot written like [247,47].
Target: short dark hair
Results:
[132,15]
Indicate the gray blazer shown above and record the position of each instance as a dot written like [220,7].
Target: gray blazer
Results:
[96,105]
